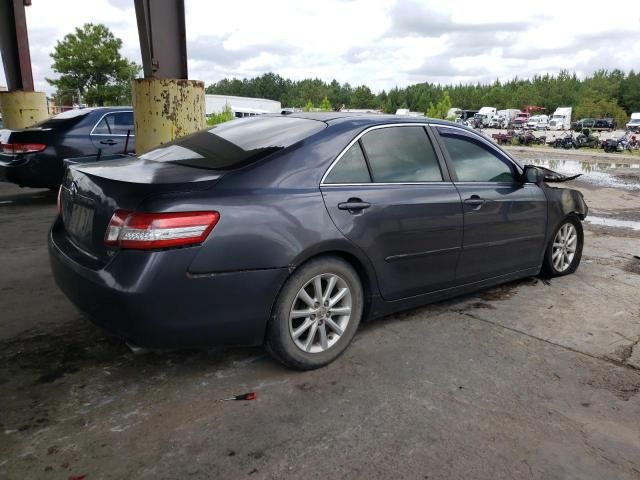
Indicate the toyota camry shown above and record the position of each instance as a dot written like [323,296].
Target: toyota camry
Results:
[290,230]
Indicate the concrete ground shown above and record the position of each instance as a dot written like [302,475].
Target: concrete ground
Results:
[533,379]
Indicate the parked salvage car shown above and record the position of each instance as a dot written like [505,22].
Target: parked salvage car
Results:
[33,157]
[289,230]
[583,123]
[602,124]
[598,125]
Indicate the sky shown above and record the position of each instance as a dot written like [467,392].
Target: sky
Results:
[382,44]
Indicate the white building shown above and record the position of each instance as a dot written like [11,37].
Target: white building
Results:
[408,113]
[241,106]
[360,110]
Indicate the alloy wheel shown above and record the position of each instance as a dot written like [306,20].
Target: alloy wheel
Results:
[564,247]
[320,313]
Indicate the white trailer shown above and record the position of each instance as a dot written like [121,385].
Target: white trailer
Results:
[561,119]
[241,106]
[407,113]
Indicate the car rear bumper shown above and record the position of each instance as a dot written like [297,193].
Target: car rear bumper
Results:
[29,171]
[148,298]
[11,170]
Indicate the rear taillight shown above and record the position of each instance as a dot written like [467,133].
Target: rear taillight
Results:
[14,148]
[158,230]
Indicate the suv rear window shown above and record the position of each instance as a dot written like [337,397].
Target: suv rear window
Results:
[236,143]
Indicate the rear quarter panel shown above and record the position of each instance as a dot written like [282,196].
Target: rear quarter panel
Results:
[260,229]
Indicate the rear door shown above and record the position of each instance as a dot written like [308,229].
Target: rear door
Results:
[389,194]
[504,218]
[114,133]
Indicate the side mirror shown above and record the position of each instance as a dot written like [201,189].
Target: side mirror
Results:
[532,174]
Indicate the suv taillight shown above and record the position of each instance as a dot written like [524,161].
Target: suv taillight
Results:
[135,230]
[13,148]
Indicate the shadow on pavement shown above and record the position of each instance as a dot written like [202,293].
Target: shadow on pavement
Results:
[28,197]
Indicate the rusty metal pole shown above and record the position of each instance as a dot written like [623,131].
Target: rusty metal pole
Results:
[20,106]
[166,104]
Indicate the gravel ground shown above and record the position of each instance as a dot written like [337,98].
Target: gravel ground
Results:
[532,379]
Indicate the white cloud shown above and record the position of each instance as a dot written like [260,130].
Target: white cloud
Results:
[382,43]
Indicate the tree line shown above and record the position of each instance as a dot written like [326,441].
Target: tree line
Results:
[91,68]
[603,94]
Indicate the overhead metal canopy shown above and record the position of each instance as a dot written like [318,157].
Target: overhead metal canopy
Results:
[163,44]
[14,45]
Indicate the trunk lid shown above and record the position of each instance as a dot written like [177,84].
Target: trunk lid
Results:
[91,193]
[27,135]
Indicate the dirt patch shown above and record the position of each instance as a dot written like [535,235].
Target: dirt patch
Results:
[631,175]
[611,231]
[488,306]
[46,357]
[632,266]
[621,385]
[508,290]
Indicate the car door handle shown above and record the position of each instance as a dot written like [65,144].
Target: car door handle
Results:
[475,201]
[108,142]
[353,205]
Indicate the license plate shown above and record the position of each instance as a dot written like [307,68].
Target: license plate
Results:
[81,222]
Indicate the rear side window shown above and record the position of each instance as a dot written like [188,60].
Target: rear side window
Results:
[351,168]
[116,123]
[401,154]
[236,143]
[473,161]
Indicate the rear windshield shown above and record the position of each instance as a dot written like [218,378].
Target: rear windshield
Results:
[70,117]
[236,143]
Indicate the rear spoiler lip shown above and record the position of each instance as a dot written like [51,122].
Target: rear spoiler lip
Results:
[131,169]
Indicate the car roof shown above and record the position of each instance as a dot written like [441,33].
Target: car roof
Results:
[77,112]
[108,109]
[332,118]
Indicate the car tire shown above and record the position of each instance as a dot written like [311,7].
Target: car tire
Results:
[563,255]
[327,334]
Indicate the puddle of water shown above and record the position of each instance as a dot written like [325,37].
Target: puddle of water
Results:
[594,173]
[612,222]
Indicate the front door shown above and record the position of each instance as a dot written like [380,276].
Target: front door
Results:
[114,133]
[387,193]
[504,217]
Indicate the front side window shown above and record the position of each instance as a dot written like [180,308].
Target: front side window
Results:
[116,123]
[473,161]
[351,168]
[401,154]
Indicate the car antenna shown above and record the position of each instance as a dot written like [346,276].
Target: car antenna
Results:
[126,142]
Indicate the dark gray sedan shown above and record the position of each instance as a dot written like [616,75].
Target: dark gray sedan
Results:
[289,230]
[34,156]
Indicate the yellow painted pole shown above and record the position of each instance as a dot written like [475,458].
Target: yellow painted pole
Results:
[166,109]
[23,109]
